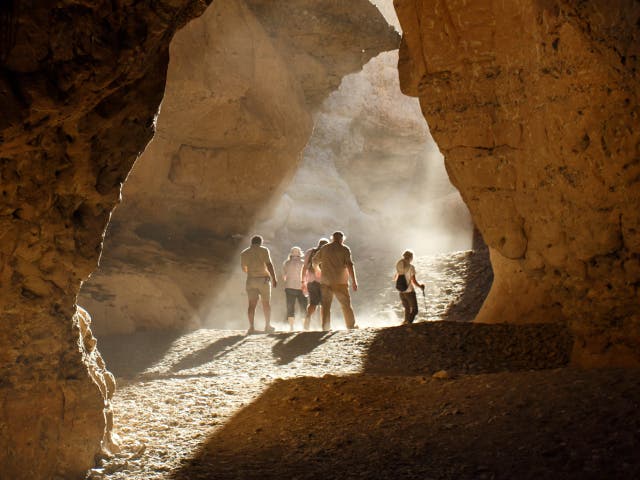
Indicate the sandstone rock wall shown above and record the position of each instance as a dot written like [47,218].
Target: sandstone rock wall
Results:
[371,166]
[535,107]
[243,82]
[79,89]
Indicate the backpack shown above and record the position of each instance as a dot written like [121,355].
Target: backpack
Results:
[401,282]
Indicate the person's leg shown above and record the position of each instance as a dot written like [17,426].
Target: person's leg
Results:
[252,294]
[413,302]
[314,299]
[291,301]
[342,294]
[266,308]
[311,308]
[325,302]
[265,295]
[406,305]
[302,301]
[251,312]
[291,304]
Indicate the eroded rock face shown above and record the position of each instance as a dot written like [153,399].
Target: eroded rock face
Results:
[79,89]
[243,82]
[535,107]
[371,166]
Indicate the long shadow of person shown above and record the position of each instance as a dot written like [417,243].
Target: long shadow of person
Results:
[215,350]
[288,348]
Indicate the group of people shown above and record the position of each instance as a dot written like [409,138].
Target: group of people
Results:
[312,279]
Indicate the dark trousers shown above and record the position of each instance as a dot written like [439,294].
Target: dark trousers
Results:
[410,304]
[293,294]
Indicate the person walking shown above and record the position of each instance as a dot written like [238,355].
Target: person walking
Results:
[292,276]
[311,281]
[256,263]
[408,296]
[336,266]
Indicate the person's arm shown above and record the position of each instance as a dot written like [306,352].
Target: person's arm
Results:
[274,281]
[352,275]
[351,269]
[243,265]
[416,283]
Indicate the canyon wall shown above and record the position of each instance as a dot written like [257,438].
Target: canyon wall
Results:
[534,104]
[80,85]
[371,166]
[243,82]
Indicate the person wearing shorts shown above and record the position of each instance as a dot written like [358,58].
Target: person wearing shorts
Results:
[256,263]
[311,281]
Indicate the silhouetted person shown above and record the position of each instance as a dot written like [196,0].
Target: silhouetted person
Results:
[336,265]
[292,276]
[311,281]
[256,263]
[408,297]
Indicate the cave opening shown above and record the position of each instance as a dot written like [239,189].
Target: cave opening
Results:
[285,138]
[338,147]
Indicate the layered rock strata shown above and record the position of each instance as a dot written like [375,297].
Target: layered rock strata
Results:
[243,82]
[535,107]
[80,86]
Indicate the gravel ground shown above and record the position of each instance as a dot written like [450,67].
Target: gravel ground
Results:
[441,399]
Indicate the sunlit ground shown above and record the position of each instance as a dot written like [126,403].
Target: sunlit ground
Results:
[174,391]
[206,377]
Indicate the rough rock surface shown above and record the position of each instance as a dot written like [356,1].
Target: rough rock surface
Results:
[242,84]
[80,84]
[535,107]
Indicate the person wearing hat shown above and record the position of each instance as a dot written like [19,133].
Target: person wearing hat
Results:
[336,266]
[292,275]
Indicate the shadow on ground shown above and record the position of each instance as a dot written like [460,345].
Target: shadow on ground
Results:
[461,347]
[130,354]
[561,424]
[290,346]
[217,349]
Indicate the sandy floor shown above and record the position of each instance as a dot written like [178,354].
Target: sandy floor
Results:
[432,400]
